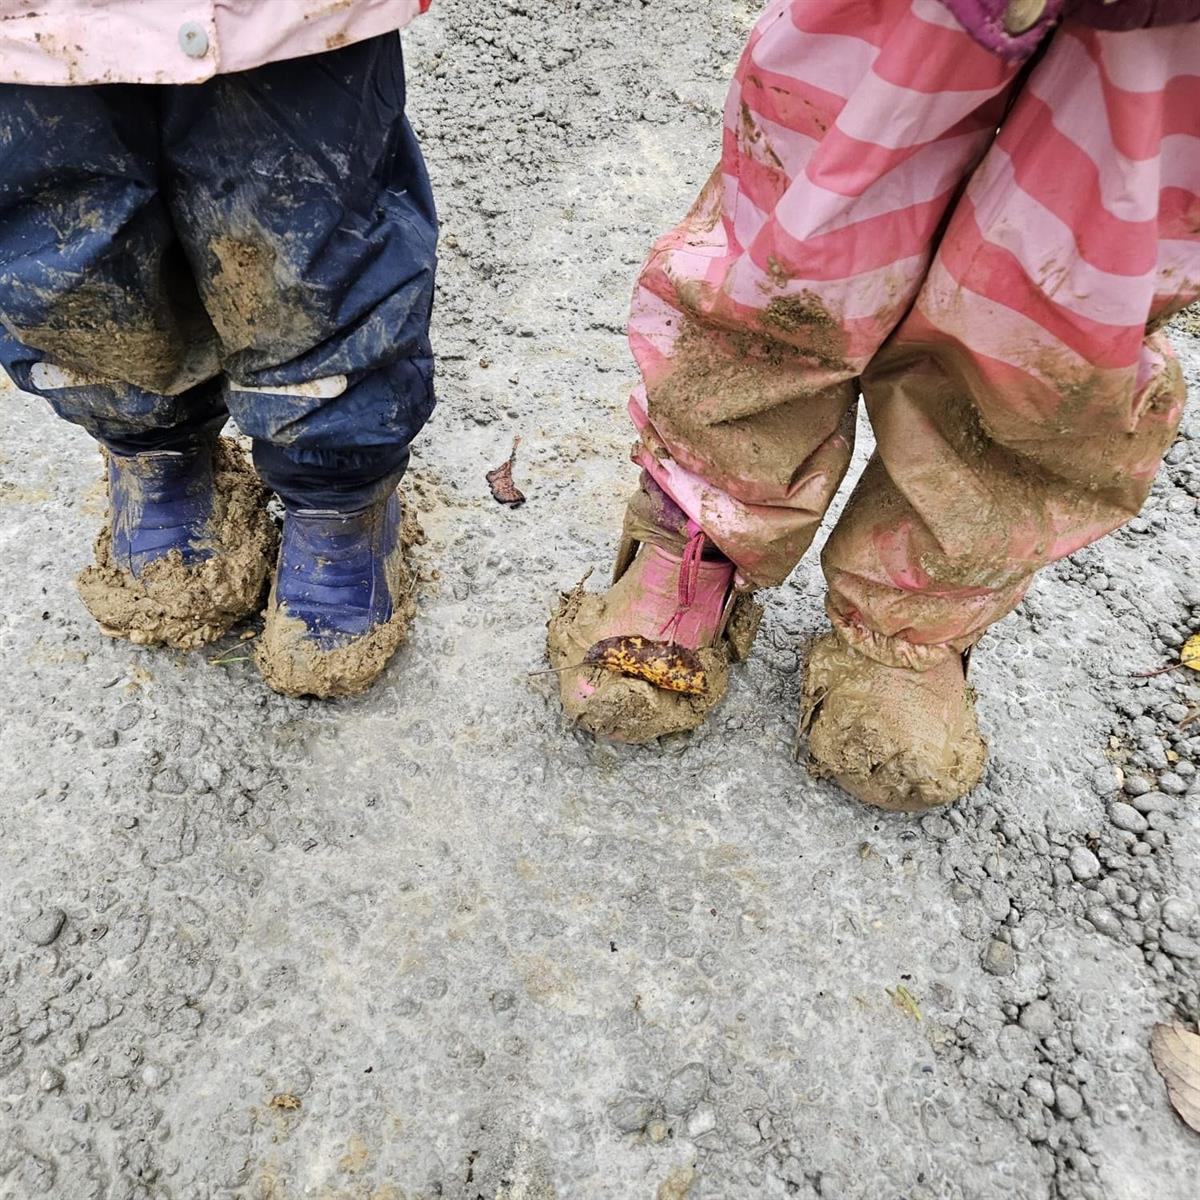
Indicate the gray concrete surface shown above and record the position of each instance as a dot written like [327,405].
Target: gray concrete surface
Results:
[432,943]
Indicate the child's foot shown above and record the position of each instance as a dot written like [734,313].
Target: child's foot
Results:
[342,600]
[891,736]
[647,600]
[186,550]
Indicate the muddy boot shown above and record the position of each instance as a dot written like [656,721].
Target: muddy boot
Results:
[669,585]
[891,736]
[342,600]
[186,550]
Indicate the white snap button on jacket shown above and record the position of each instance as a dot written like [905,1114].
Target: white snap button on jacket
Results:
[193,39]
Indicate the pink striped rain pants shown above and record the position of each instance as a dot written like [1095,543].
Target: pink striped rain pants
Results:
[993,294]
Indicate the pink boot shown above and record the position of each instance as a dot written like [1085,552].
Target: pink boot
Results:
[669,585]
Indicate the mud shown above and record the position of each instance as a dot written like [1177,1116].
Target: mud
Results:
[293,665]
[620,708]
[185,607]
[894,738]
[253,299]
[491,956]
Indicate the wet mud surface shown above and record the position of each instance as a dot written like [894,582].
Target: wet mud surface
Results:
[433,942]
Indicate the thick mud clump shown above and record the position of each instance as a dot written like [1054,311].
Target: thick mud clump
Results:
[189,606]
[892,737]
[294,665]
[632,710]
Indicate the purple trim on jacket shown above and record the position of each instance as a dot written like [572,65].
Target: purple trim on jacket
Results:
[984,19]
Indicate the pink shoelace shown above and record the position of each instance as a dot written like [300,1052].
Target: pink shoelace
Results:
[689,577]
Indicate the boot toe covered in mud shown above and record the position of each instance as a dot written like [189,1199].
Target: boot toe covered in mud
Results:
[892,737]
[674,593]
[342,600]
[187,548]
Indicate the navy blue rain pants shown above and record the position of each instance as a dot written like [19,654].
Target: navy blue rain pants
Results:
[261,245]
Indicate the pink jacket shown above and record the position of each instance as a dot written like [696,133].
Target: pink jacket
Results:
[178,41]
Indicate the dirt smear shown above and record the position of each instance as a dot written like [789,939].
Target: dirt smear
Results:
[292,664]
[189,606]
[254,299]
[894,738]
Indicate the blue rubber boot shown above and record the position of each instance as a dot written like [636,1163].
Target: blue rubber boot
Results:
[161,501]
[187,550]
[341,602]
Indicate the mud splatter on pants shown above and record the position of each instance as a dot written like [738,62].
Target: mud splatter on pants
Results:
[261,245]
[985,253]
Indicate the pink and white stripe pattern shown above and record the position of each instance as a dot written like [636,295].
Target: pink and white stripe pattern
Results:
[1002,280]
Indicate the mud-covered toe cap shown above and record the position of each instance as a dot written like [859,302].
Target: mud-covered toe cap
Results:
[892,737]
[293,663]
[335,638]
[185,604]
[613,706]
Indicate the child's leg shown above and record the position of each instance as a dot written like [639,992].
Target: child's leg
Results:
[848,129]
[1022,408]
[101,317]
[303,203]
[99,310]
[301,198]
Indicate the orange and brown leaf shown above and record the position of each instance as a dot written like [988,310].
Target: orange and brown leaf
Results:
[500,480]
[664,664]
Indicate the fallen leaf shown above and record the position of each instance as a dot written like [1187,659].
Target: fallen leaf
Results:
[904,1000]
[664,664]
[286,1101]
[1176,1054]
[1189,656]
[501,480]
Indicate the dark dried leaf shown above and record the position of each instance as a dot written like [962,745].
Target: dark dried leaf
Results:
[500,480]
[664,664]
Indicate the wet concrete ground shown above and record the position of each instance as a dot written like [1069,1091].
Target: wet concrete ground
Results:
[434,943]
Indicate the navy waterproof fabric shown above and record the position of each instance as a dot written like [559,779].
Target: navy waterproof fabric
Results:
[177,247]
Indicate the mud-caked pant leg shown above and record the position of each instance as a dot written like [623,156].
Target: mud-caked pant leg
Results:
[848,130]
[301,197]
[1022,408]
[99,312]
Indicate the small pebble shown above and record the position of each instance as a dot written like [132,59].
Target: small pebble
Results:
[999,958]
[1083,863]
[1068,1101]
[1154,802]
[45,927]
[1105,920]
[1137,785]
[1038,1018]
[51,1080]
[1178,914]
[1125,816]
[1178,946]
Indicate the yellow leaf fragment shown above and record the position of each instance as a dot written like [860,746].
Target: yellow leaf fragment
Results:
[664,664]
[1189,656]
[904,1000]
[285,1101]
[1176,1053]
